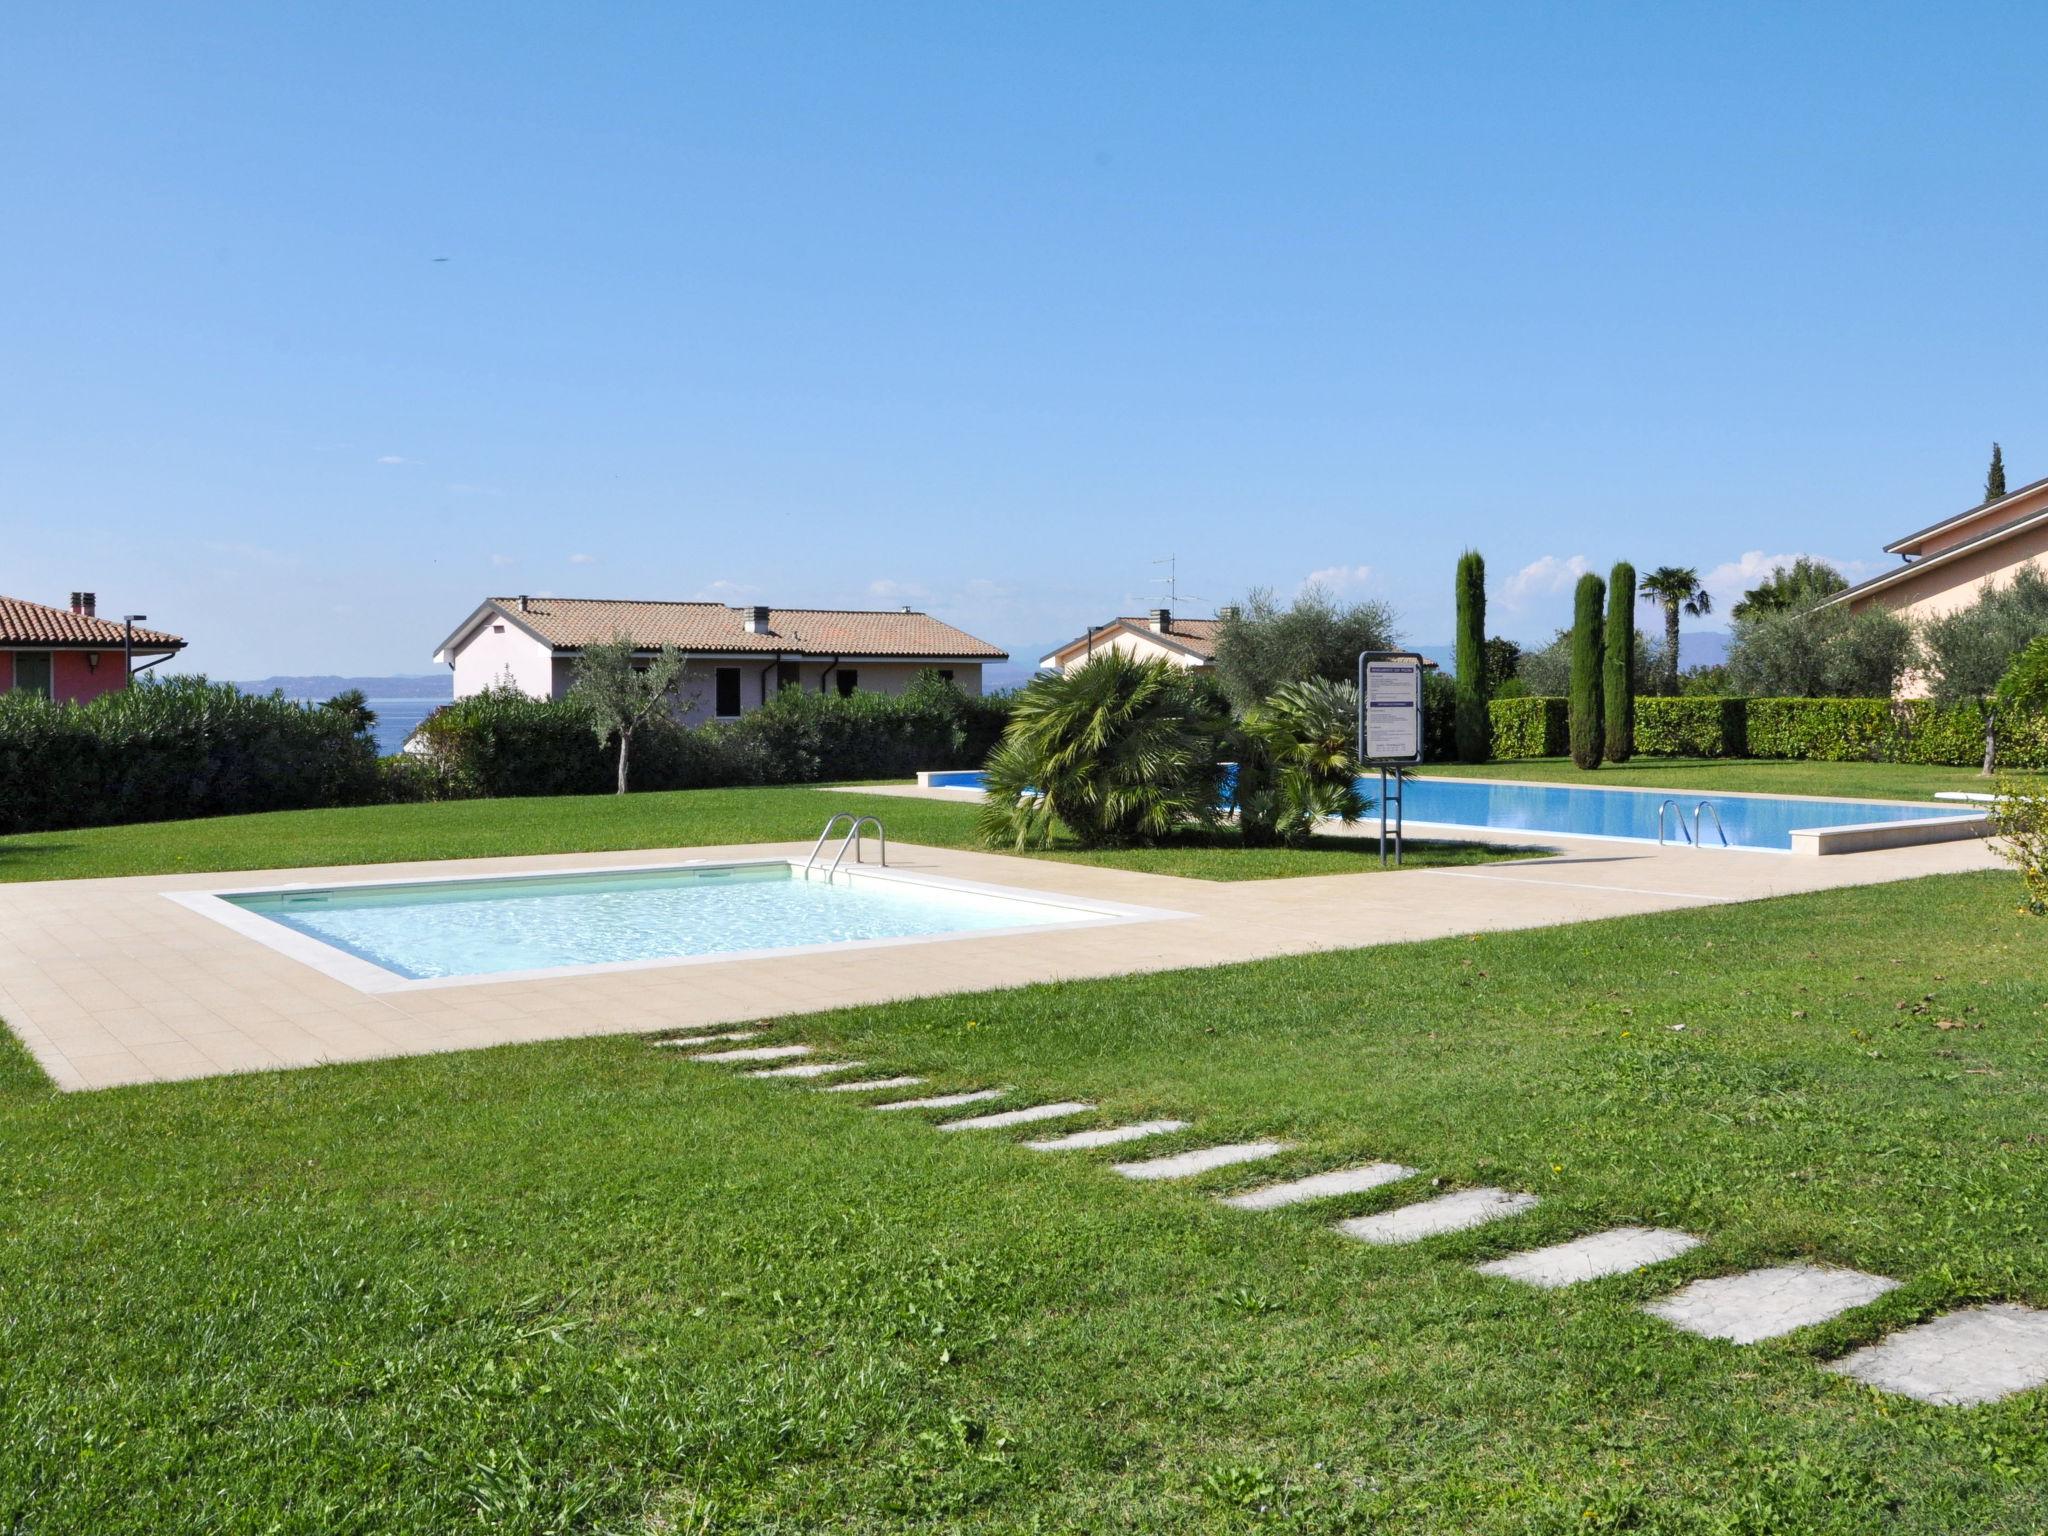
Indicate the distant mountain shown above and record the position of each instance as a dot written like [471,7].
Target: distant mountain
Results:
[422,685]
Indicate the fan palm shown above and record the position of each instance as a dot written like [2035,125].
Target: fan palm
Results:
[1298,762]
[1117,751]
[1675,587]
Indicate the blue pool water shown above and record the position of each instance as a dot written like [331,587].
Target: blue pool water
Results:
[1751,821]
[480,927]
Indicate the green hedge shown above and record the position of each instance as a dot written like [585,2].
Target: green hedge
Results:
[1530,727]
[503,743]
[1691,727]
[1817,730]
[176,748]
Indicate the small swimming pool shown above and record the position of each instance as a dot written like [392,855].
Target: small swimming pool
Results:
[1572,810]
[379,936]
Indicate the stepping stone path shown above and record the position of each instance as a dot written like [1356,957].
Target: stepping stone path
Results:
[1185,1165]
[809,1069]
[1081,1141]
[756,1053]
[1591,1258]
[694,1041]
[1447,1213]
[1767,1303]
[1975,1356]
[1319,1186]
[943,1100]
[872,1085]
[1009,1117]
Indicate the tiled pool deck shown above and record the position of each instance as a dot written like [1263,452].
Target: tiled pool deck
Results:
[109,983]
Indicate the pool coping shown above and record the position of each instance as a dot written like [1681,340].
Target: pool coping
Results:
[367,976]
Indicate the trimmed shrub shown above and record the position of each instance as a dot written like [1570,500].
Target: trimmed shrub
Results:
[1588,737]
[176,748]
[1530,727]
[1618,667]
[1692,727]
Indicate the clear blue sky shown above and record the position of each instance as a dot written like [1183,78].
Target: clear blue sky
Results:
[986,308]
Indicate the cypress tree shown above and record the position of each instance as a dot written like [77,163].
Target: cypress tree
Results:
[1471,718]
[1618,679]
[1585,684]
[1994,478]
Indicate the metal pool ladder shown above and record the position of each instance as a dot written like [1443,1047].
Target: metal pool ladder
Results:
[853,840]
[1707,805]
[1670,803]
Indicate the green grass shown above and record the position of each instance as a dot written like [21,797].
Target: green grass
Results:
[468,829]
[589,1286]
[1763,776]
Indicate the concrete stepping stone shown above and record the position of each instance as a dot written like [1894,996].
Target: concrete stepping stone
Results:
[1591,1258]
[872,1085]
[1009,1117]
[694,1041]
[809,1069]
[1974,1356]
[756,1053]
[1185,1165]
[1318,1186]
[1766,1303]
[1080,1141]
[1431,1218]
[944,1100]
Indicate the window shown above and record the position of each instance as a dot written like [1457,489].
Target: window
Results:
[32,672]
[787,675]
[728,702]
[849,679]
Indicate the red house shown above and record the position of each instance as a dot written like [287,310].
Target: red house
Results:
[72,654]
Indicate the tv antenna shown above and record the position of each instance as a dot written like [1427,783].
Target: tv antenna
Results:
[1171,581]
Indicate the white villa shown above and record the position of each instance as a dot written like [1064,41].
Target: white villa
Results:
[1159,636]
[738,658]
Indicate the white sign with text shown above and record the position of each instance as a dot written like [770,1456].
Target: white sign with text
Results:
[1393,710]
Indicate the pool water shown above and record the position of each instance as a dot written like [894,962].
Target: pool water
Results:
[438,929]
[1750,821]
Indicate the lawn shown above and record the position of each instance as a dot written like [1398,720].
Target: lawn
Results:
[590,1286]
[468,829]
[1763,776]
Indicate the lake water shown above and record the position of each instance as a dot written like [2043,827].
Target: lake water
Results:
[398,719]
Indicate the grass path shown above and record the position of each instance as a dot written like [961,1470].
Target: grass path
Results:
[588,1286]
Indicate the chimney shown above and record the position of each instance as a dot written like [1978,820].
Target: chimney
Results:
[1162,619]
[757,620]
[522,602]
[86,603]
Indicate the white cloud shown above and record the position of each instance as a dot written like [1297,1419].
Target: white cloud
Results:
[395,458]
[723,591]
[1543,578]
[583,559]
[504,560]
[1339,579]
[1726,582]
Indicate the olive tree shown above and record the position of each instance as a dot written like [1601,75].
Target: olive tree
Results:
[619,690]
[1262,647]
[1819,653]
[1969,651]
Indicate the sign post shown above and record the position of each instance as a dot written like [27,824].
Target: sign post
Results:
[1390,728]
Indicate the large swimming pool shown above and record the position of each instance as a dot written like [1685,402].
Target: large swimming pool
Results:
[1750,821]
[423,932]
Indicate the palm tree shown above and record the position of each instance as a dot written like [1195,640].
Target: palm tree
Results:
[1117,751]
[1676,587]
[1297,757]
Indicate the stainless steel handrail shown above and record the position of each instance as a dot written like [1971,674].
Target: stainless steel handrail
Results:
[853,841]
[1670,802]
[819,846]
[1707,805]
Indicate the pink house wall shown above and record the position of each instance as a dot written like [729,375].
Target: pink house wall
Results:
[72,680]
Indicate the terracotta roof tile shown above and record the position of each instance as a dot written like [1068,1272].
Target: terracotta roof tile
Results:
[569,622]
[26,623]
